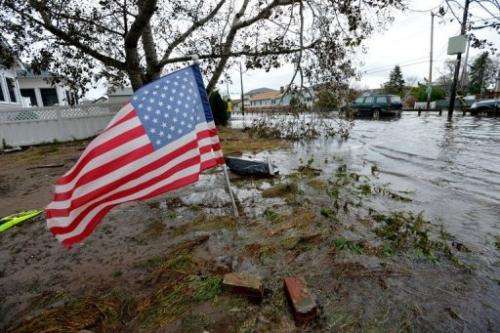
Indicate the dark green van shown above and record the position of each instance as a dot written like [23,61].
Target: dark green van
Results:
[377,106]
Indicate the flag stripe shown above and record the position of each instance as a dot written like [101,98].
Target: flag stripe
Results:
[100,147]
[102,170]
[98,217]
[123,112]
[61,200]
[156,164]
[129,194]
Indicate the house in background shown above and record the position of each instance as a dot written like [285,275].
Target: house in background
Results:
[37,91]
[119,94]
[20,87]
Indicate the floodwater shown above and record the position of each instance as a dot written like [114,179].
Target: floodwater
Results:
[451,169]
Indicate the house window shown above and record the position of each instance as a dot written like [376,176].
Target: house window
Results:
[30,93]
[49,96]
[11,87]
[2,97]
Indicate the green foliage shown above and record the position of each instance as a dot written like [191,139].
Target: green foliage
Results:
[206,288]
[420,93]
[396,83]
[219,109]
[326,100]
[271,215]
[482,74]
[345,244]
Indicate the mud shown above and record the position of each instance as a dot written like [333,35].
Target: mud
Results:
[157,266]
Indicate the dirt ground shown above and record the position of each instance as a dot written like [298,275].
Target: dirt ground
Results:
[156,266]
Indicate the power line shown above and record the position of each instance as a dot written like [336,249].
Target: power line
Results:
[425,10]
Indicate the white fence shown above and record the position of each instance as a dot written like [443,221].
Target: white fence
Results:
[31,126]
[423,105]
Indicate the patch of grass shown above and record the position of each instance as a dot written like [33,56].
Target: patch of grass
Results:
[106,313]
[206,223]
[182,263]
[150,263]
[271,215]
[497,242]
[327,212]
[175,299]
[171,214]
[154,229]
[206,288]
[341,244]
[281,190]
[365,189]
[391,194]
[235,141]
[318,184]
[117,274]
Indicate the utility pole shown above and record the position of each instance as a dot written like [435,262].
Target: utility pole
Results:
[453,94]
[465,67]
[242,93]
[429,89]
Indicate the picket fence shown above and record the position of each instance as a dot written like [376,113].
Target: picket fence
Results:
[32,126]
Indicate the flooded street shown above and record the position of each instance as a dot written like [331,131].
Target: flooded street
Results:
[450,169]
[393,229]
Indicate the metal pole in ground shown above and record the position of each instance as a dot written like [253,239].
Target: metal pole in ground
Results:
[429,92]
[230,191]
[453,94]
[242,94]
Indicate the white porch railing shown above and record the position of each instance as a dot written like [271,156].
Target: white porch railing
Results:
[31,126]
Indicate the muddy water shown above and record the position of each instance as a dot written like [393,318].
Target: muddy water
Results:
[451,169]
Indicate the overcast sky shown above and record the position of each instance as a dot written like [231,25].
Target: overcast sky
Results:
[405,42]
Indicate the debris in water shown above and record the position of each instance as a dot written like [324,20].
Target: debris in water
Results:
[243,167]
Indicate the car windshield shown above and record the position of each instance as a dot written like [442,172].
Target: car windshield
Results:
[395,99]
[359,100]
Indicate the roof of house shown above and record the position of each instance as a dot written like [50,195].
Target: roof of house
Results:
[266,95]
[28,73]
[258,91]
[120,91]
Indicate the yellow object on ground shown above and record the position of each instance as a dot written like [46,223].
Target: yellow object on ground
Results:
[11,220]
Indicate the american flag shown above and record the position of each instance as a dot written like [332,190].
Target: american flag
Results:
[161,140]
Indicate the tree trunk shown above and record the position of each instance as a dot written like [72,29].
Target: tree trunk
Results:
[149,47]
[133,69]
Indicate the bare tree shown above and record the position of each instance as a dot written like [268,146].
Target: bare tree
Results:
[488,19]
[136,40]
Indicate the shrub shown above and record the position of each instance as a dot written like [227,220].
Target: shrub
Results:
[219,109]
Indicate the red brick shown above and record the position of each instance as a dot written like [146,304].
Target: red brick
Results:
[302,301]
[244,284]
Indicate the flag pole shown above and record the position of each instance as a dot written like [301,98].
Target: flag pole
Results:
[196,61]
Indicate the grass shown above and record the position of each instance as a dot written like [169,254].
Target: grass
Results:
[271,215]
[105,313]
[174,300]
[233,140]
[288,189]
[204,222]
[341,244]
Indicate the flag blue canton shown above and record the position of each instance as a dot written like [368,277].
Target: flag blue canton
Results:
[170,107]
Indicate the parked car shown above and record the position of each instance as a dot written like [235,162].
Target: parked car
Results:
[490,107]
[377,106]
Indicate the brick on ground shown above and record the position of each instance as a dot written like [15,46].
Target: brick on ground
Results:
[303,303]
[244,284]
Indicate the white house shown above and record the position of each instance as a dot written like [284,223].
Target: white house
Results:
[20,87]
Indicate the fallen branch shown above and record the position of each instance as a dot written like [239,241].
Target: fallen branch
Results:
[46,166]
